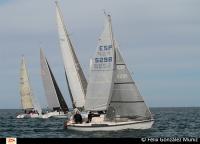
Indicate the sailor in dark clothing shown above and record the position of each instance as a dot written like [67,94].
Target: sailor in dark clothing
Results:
[78,117]
[90,115]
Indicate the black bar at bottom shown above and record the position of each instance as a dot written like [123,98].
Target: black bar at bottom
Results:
[100,140]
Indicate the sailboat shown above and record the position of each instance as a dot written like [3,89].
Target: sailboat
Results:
[29,104]
[111,91]
[55,99]
[76,81]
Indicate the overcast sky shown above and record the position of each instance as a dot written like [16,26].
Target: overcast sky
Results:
[159,40]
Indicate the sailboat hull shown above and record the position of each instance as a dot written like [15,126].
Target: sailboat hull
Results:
[55,114]
[28,116]
[111,126]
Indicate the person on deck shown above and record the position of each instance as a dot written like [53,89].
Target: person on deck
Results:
[78,117]
[90,115]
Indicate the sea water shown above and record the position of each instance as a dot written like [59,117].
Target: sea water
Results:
[169,122]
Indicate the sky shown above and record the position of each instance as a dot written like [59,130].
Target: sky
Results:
[159,40]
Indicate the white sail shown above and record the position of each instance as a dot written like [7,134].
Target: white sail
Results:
[54,96]
[100,82]
[76,80]
[112,92]
[111,87]
[25,90]
[27,99]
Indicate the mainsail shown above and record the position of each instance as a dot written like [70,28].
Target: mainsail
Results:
[27,99]
[76,80]
[53,94]
[126,99]
[100,84]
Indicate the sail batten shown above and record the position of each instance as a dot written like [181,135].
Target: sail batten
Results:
[126,101]
[75,76]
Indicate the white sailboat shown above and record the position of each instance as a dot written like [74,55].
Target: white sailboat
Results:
[76,81]
[111,91]
[55,99]
[29,104]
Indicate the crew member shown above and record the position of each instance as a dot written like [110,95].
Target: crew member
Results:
[78,117]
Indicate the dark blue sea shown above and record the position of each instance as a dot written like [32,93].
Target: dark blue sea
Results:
[169,122]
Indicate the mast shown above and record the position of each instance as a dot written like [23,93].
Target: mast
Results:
[70,92]
[111,35]
[76,80]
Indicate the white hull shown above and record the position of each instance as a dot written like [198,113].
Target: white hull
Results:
[55,114]
[28,116]
[111,126]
